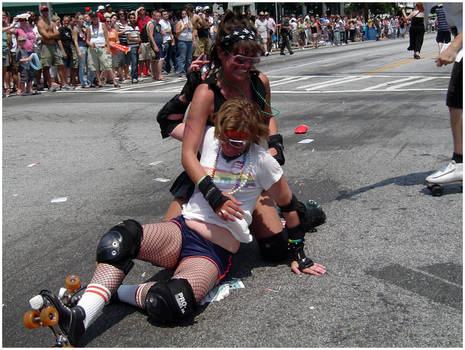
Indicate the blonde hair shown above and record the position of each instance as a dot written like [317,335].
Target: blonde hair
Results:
[243,116]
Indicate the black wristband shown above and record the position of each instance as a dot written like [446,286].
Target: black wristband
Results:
[276,142]
[211,193]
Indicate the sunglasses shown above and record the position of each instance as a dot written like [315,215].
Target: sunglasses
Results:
[234,138]
[239,59]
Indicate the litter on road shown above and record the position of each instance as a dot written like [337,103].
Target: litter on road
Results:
[161,179]
[59,199]
[306,141]
[156,163]
[33,164]
[222,291]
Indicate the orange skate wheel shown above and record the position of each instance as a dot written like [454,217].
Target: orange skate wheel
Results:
[73,283]
[31,319]
[49,316]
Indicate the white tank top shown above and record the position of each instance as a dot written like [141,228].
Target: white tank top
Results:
[186,35]
[97,36]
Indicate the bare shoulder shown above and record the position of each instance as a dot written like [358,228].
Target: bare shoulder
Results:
[264,79]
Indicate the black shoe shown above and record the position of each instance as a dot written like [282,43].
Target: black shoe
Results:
[291,53]
[282,53]
[71,321]
[417,57]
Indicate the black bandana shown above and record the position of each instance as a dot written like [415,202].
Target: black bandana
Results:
[238,34]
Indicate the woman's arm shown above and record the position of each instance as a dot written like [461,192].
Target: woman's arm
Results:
[194,129]
[282,195]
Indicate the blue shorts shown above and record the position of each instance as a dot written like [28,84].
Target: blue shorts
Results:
[194,245]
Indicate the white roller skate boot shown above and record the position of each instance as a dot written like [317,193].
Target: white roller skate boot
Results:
[448,174]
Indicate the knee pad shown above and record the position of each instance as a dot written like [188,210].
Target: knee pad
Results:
[120,245]
[173,106]
[274,248]
[170,302]
[309,218]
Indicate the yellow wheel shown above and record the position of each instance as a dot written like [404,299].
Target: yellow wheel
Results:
[49,316]
[73,283]
[31,319]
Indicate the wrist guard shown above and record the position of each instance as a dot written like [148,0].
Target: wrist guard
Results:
[276,142]
[211,193]
[296,247]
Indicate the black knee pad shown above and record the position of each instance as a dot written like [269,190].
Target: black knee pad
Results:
[120,245]
[170,302]
[274,248]
[173,106]
[309,217]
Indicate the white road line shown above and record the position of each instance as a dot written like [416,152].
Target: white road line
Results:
[422,80]
[336,83]
[374,87]
[326,83]
[290,80]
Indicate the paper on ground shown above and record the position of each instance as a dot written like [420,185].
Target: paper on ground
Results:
[33,164]
[156,163]
[222,291]
[59,199]
[306,141]
[162,179]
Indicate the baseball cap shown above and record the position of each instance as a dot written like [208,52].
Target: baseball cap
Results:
[198,8]
[107,5]
[206,8]
[100,8]
[44,8]
[22,38]
[87,9]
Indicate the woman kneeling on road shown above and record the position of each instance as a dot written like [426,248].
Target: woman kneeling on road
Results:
[198,244]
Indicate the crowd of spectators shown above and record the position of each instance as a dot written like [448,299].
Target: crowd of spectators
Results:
[101,46]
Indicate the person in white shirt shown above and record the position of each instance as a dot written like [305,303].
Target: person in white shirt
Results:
[261,23]
[168,40]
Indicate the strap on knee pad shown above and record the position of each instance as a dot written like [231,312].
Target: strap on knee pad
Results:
[170,302]
[120,245]
[274,248]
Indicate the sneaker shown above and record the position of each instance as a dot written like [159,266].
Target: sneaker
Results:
[282,53]
[66,87]
[449,173]
[70,320]
[52,89]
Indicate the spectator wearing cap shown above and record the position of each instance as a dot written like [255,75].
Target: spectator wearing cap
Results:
[109,10]
[271,31]
[262,27]
[23,57]
[97,42]
[144,49]
[202,27]
[50,36]
[100,13]
[87,10]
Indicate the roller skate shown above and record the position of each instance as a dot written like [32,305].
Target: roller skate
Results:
[59,313]
[315,214]
[449,174]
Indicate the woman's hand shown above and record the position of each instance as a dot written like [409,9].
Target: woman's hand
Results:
[315,269]
[230,210]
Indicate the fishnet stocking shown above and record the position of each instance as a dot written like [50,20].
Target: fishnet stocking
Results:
[161,244]
[109,276]
[201,273]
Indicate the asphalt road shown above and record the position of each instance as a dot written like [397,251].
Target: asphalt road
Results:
[393,252]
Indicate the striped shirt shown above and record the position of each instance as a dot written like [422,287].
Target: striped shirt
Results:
[133,32]
[442,22]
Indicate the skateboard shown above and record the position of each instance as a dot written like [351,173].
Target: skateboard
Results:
[44,312]
[437,190]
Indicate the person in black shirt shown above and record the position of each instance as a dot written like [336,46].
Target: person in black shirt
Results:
[69,58]
[285,31]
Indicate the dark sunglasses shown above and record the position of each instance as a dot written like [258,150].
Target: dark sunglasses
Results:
[240,59]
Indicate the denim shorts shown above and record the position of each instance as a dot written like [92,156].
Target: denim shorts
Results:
[194,245]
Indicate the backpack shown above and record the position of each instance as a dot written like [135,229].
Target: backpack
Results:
[143,34]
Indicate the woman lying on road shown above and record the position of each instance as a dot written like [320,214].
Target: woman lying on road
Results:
[197,245]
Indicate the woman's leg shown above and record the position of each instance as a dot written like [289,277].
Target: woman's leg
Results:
[160,245]
[174,209]
[265,218]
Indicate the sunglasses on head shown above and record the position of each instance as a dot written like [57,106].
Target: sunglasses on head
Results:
[240,59]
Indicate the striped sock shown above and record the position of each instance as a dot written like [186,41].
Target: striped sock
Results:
[134,294]
[95,297]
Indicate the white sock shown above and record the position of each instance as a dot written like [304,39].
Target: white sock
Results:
[95,297]
[131,294]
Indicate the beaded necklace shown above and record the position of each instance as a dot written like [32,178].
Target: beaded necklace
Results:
[240,180]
